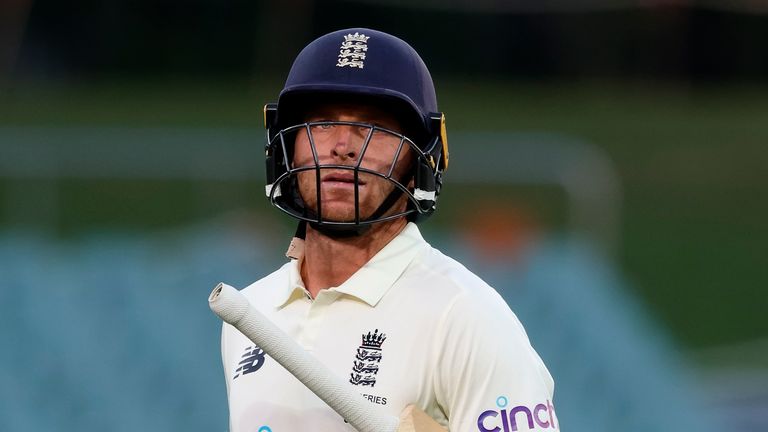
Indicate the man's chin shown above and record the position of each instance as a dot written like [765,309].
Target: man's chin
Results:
[340,213]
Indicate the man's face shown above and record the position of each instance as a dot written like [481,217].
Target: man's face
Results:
[342,145]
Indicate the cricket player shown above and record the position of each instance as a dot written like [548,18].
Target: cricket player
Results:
[356,152]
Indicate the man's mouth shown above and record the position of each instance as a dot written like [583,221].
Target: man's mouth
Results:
[342,178]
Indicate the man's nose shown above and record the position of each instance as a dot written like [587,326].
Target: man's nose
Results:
[347,143]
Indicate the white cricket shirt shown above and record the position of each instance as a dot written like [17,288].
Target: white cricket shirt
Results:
[411,326]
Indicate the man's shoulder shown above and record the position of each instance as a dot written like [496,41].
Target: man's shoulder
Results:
[437,267]
[450,280]
[461,301]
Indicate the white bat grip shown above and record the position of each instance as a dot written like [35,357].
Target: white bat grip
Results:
[232,307]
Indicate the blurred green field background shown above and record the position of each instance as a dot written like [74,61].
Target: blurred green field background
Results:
[692,161]
[630,138]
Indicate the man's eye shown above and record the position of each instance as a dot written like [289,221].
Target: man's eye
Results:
[324,126]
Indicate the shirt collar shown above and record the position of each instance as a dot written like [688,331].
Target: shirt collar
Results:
[373,280]
[295,288]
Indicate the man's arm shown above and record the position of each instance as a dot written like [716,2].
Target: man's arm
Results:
[489,378]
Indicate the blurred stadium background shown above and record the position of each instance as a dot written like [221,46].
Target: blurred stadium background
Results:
[608,176]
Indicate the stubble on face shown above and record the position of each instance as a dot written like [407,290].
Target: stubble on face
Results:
[341,145]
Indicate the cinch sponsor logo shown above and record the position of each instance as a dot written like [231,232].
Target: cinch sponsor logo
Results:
[515,418]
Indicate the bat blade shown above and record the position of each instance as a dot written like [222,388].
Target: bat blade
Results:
[412,419]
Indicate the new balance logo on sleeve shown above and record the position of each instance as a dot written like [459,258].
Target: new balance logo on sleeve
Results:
[251,361]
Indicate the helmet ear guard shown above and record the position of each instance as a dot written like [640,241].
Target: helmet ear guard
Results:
[425,190]
[428,175]
[437,130]
[270,115]
[277,160]
[275,163]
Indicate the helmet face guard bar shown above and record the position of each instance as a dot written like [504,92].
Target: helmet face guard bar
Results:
[283,175]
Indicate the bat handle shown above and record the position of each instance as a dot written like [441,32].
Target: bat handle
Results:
[232,307]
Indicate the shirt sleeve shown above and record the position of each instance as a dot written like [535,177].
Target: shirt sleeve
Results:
[488,376]
[225,363]
[224,360]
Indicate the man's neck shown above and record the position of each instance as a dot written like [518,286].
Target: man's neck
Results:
[329,262]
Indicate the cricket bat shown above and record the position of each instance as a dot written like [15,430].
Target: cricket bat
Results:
[232,307]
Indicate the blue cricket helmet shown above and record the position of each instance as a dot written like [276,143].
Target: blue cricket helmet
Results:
[360,65]
[384,68]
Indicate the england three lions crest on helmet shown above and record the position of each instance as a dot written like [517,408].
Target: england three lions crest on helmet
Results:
[352,51]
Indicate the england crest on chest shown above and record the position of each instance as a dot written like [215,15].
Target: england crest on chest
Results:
[365,366]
